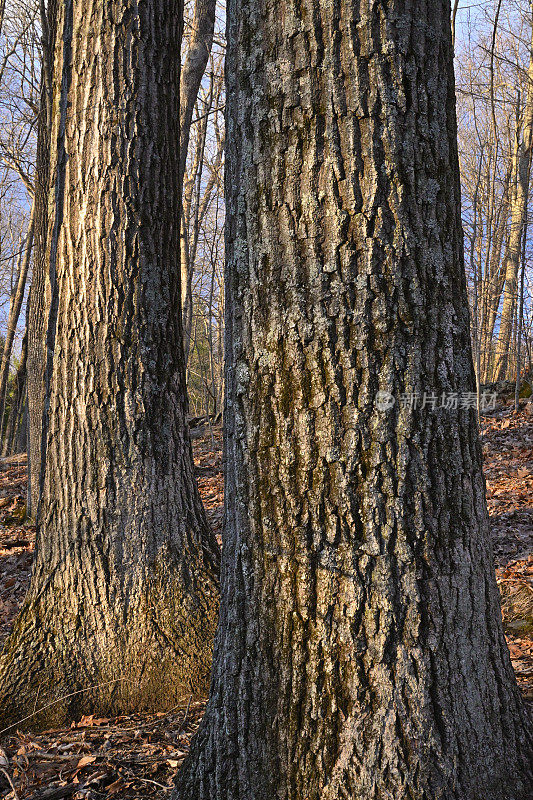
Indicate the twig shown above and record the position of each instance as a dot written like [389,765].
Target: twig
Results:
[55,792]
[161,786]
[182,726]
[8,776]
[521,581]
[40,756]
[59,699]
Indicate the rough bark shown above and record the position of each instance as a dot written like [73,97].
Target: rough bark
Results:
[42,288]
[360,651]
[15,307]
[124,588]
[518,220]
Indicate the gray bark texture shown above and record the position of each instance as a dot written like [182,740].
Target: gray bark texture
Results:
[124,592]
[360,651]
[40,301]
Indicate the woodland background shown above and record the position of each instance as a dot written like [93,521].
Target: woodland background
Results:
[139,755]
[494,68]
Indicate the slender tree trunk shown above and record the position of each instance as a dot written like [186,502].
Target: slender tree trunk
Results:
[360,651]
[518,219]
[455,8]
[476,274]
[16,437]
[20,437]
[187,270]
[15,307]
[19,402]
[190,194]
[519,323]
[43,288]
[493,287]
[200,43]
[124,592]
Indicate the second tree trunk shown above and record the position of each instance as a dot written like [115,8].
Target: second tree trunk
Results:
[124,589]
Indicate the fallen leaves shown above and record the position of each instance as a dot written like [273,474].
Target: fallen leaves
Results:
[508,453]
[128,756]
[97,757]
[85,760]
[89,721]
[139,756]
[207,451]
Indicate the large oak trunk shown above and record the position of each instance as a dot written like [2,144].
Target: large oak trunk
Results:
[360,651]
[124,588]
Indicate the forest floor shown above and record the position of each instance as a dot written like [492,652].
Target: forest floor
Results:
[138,756]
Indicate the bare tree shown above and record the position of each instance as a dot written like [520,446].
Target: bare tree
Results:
[202,185]
[494,117]
[518,213]
[17,297]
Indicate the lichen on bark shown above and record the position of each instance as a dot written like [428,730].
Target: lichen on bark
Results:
[360,652]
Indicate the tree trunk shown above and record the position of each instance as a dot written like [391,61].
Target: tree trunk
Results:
[124,589]
[200,43]
[493,287]
[520,321]
[518,219]
[41,285]
[17,409]
[360,651]
[189,191]
[20,438]
[15,306]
